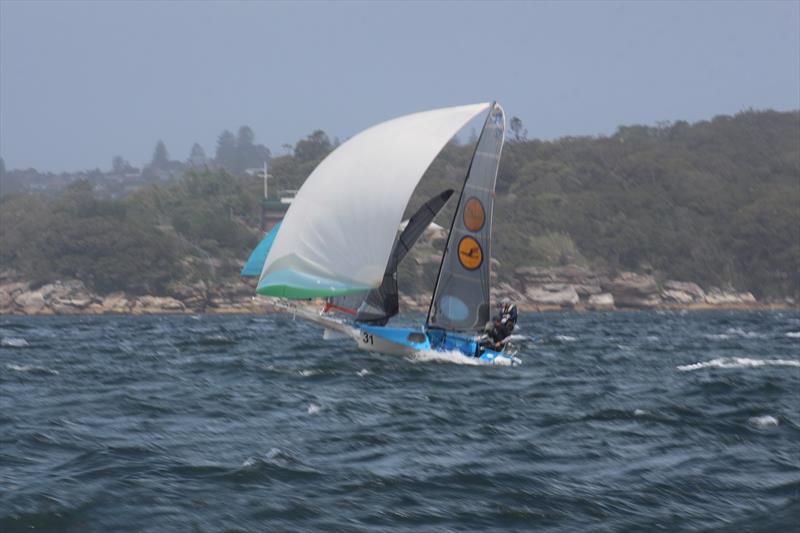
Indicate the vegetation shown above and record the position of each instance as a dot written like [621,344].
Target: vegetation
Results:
[716,202]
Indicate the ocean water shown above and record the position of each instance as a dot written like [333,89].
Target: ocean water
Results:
[615,422]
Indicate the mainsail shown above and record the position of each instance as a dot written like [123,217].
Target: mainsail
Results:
[338,234]
[461,297]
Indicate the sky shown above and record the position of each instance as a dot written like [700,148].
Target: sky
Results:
[81,82]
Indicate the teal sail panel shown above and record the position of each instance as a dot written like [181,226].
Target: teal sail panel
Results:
[255,263]
[292,284]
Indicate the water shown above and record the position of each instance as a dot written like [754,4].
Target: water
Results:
[615,422]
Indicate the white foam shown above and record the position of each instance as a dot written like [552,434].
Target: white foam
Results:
[739,362]
[13,342]
[452,356]
[793,334]
[735,332]
[762,422]
[363,372]
[565,338]
[307,373]
[639,412]
[31,368]
[313,408]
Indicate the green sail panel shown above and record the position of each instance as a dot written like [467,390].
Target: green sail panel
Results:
[461,296]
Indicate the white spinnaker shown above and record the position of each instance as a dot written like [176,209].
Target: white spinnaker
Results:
[343,222]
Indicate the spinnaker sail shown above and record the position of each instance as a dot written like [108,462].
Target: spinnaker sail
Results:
[461,296]
[338,234]
[255,263]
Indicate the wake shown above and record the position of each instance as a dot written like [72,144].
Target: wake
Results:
[456,358]
[452,356]
[738,362]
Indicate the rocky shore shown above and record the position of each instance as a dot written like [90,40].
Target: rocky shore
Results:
[71,297]
[534,289]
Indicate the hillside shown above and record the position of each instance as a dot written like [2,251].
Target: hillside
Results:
[716,203]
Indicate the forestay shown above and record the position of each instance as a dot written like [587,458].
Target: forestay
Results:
[338,234]
[461,297]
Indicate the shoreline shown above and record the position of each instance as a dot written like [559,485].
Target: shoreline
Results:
[628,292]
[266,308]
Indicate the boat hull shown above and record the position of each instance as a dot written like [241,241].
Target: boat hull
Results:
[410,341]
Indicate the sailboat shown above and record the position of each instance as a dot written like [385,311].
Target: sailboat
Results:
[341,239]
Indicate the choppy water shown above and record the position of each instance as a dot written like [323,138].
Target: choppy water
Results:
[615,421]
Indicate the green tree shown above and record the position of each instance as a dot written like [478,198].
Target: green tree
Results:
[226,155]
[160,156]
[197,156]
[517,128]
[314,147]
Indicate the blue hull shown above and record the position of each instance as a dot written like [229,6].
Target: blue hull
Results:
[404,341]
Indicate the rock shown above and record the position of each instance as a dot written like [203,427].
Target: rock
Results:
[537,274]
[30,303]
[633,284]
[586,291]
[8,292]
[719,297]
[634,290]
[116,302]
[505,290]
[677,297]
[78,303]
[687,287]
[157,304]
[567,297]
[601,301]
[638,302]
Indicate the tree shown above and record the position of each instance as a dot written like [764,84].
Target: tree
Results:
[197,157]
[518,129]
[226,150]
[119,165]
[314,147]
[160,156]
[245,138]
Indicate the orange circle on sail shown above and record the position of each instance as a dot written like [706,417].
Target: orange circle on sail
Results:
[470,254]
[474,215]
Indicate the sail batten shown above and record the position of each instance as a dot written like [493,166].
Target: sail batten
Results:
[342,224]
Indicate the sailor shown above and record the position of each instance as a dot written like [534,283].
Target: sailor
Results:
[494,333]
[508,316]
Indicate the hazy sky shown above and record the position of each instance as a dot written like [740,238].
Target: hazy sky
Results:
[81,82]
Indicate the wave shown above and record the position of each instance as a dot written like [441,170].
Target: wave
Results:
[32,369]
[738,362]
[565,338]
[735,332]
[13,342]
[793,334]
[762,422]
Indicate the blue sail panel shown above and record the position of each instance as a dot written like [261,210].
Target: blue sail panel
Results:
[255,263]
